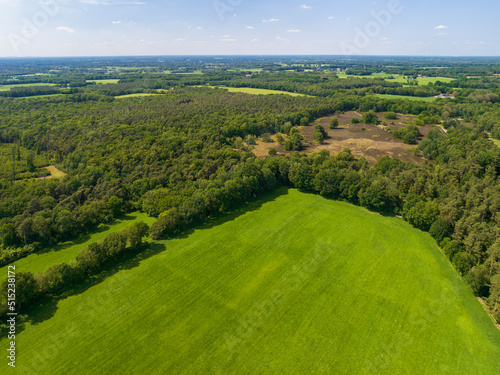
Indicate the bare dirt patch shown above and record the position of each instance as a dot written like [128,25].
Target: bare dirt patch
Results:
[370,141]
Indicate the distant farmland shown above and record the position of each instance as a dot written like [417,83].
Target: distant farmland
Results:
[293,284]
[415,98]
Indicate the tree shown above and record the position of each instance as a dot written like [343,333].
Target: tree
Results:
[423,214]
[440,229]
[135,233]
[381,195]
[115,205]
[8,235]
[319,133]
[272,151]
[113,245]
[370,118]
[334,123]
[463,262]
[390,116]
[30,162]
[478,280]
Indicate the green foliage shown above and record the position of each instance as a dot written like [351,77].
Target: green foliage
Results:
[423,214]
[334,123]
[319,133]
[440,229]
[370,117]
[390,116]
[463,262]
[354,120]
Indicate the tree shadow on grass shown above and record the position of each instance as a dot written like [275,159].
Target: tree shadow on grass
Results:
[253,204]
[45,308]
[82,238]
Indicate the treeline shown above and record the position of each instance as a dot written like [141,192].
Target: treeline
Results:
[59,278]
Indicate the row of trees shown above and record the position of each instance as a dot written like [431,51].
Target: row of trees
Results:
[59,278]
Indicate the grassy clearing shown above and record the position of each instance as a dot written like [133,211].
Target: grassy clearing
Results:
[296,284]
[37,96]
[415,98]
[253,91]
[54,172]
[422,81]
[8,87]
[67,251]
[103,81]
[138,95]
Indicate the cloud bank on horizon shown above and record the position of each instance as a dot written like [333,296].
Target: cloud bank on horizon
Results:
[158,27]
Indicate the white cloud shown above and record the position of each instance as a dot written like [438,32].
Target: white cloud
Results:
[304,6]
[282,39]
[65,28]
[250,27]
[255,40]
[228,40]
[271,20]
[441,27]
[199,28]
[293,31]
[116,22]
[330,18]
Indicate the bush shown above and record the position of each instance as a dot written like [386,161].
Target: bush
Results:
[370,118]
[272,152]
[354,121]
[334,123]
[390,116]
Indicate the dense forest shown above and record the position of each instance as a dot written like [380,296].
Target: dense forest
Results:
[183,154]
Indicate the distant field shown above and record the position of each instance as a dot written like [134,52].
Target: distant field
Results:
[37,96]
[398,78]
[421,80]
[415,98]
[295,284]
[8,87]
[103,81]
[253,91]
[193,72]
[67,251]
[134,95]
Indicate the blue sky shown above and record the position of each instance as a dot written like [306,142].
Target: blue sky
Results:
[200,27]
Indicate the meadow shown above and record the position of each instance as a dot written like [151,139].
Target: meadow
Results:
[414,98]
[8,87]
[291,284]
[254,91]
[103,81]
[66,252]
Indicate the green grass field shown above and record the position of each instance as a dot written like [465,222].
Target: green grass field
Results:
[103,81]
[294,284]
[422,81]
[415,98]
[138,95]
[253,91]
[8,87]
[67,251]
